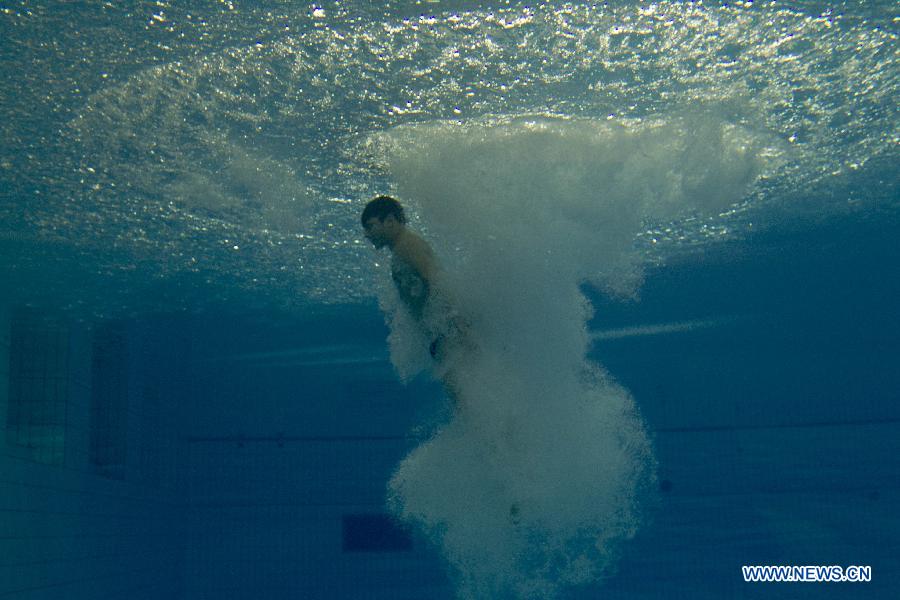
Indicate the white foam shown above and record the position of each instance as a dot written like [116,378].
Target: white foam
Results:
[520,212]
[258,192]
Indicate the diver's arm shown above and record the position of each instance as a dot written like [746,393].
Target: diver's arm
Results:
[418,254]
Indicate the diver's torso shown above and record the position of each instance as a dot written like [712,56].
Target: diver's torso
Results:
[412,287]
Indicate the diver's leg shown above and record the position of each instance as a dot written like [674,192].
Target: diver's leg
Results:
[514,516]
[450,382]
[451,387]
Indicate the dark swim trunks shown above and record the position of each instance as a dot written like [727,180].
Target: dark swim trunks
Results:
[446,342]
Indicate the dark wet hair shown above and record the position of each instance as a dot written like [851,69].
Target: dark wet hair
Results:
[381,208]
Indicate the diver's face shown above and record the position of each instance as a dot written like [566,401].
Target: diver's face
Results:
[377,232]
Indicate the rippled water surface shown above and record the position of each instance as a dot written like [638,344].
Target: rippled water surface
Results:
[162,154]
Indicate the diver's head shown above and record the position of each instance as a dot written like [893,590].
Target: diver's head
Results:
[383,220]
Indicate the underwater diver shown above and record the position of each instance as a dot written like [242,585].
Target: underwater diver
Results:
[416,276]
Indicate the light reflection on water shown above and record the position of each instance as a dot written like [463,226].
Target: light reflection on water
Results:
[212,153]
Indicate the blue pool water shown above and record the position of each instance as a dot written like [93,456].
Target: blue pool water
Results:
[672,227]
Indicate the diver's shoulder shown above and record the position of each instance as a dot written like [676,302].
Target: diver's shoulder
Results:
[415,252]
[412,244]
